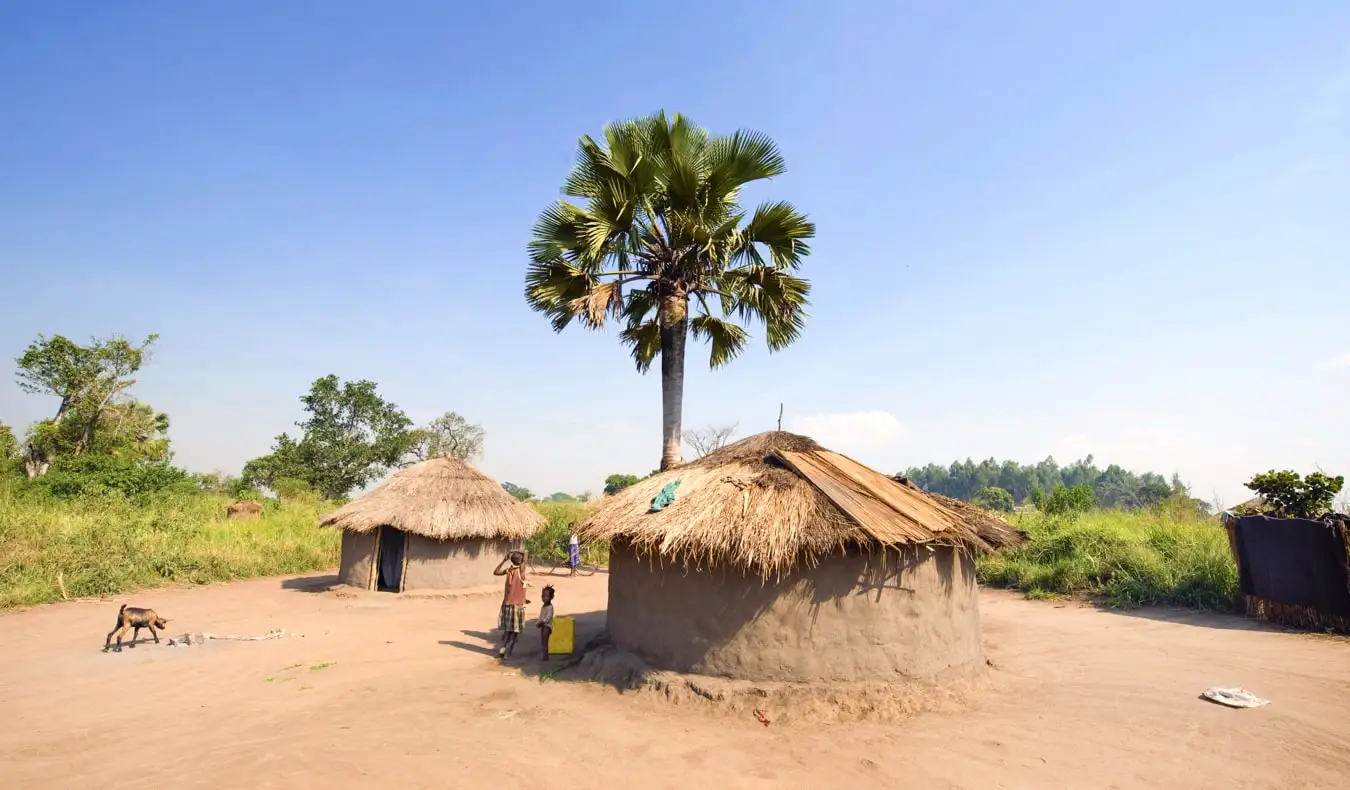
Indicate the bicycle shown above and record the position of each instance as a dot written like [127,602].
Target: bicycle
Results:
[557,559]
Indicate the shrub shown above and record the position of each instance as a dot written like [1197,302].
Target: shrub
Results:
[102,475]
[995,498]
[1127,559]
[1292,497]
[548,543]
[1064,501]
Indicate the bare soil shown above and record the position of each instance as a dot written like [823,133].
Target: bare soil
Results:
[383,691]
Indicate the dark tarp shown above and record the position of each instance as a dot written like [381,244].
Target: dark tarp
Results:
[1293,561]
[391,559]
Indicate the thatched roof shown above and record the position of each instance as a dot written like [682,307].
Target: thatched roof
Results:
[992,528]
[773,500]
[443,498]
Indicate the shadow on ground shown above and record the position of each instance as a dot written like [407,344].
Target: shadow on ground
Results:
[1228,621]
[528,655]
[310,584]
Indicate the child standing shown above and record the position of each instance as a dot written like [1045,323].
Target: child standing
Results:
[546,618]
[512,618]
[573,548]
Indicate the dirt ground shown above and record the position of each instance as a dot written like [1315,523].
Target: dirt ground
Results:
[389,692]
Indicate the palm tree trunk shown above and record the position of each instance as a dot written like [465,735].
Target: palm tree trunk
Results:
[674,318]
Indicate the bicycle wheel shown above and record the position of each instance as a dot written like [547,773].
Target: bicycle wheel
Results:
[586,570]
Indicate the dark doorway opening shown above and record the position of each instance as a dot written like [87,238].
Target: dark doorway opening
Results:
[391,559]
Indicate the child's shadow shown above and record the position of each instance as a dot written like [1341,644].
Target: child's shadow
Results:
[484,650]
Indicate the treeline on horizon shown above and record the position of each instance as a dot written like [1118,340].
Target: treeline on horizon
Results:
[1112,487]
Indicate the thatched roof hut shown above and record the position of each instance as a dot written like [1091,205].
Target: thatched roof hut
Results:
[778,559]
[438,525]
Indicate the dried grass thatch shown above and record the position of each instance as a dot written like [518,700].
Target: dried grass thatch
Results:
[443,498]
[773,500]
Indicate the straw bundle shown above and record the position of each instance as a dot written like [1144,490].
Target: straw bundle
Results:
[773,500]
[444,499]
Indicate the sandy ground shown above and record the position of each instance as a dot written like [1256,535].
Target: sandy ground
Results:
[383,692]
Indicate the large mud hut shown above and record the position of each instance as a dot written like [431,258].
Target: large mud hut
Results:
[780,560]
[438,525]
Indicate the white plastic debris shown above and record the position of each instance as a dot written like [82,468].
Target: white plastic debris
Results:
[1234,697]
[198,639]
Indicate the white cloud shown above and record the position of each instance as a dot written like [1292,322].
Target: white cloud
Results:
[851,431]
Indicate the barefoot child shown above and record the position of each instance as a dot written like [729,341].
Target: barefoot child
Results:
[546,618]
[512,617]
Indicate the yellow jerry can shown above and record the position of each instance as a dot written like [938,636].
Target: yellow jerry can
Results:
[560,641]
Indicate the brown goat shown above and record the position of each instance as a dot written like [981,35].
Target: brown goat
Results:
[134,618]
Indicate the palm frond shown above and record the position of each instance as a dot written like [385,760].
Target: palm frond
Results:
[727,339]
[552,287]
[599,302]
[644,340]
[773,296]
[780,228]
[737,160]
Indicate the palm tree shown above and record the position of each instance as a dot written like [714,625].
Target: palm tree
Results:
[661,229]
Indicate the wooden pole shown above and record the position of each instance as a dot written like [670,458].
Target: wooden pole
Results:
[780,415]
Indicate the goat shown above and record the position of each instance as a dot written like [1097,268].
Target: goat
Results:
[136,619]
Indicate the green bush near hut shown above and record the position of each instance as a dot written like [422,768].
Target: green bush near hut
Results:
[1124,559]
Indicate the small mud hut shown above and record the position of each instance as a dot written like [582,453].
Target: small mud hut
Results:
[778,560]
[439,525]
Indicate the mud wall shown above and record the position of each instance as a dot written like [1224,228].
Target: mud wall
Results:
[452,564]
[358,558]
[910,614]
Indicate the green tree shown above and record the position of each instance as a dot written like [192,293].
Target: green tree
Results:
[521,493]
[661,217]
[995,498]
[616,483]
[85,379]
[1295,497]
[132,430]
[1064,500]
[350,438]
[447,435]
[9,445]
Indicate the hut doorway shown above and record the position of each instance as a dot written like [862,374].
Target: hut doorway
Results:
[391,551]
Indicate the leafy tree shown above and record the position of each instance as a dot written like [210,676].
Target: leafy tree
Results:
[290,488]
[1064,500]
[616,483]
[559,496]
[661,215]
[519,492]
[102,475]
[1113,487]
[448,435]
[350,437]
[86,380]
[709,439]
[132,430]
[9,445]
[1295,497]
[995,498]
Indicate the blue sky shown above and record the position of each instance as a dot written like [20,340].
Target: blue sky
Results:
[1044,228]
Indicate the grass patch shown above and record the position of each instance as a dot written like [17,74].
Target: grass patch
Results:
[548,542]
[322,665]
[109,545]
[1125,559]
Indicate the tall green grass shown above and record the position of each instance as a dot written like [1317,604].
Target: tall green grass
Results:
[100,546]
[1125,559]
[546,544]
[108,545]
